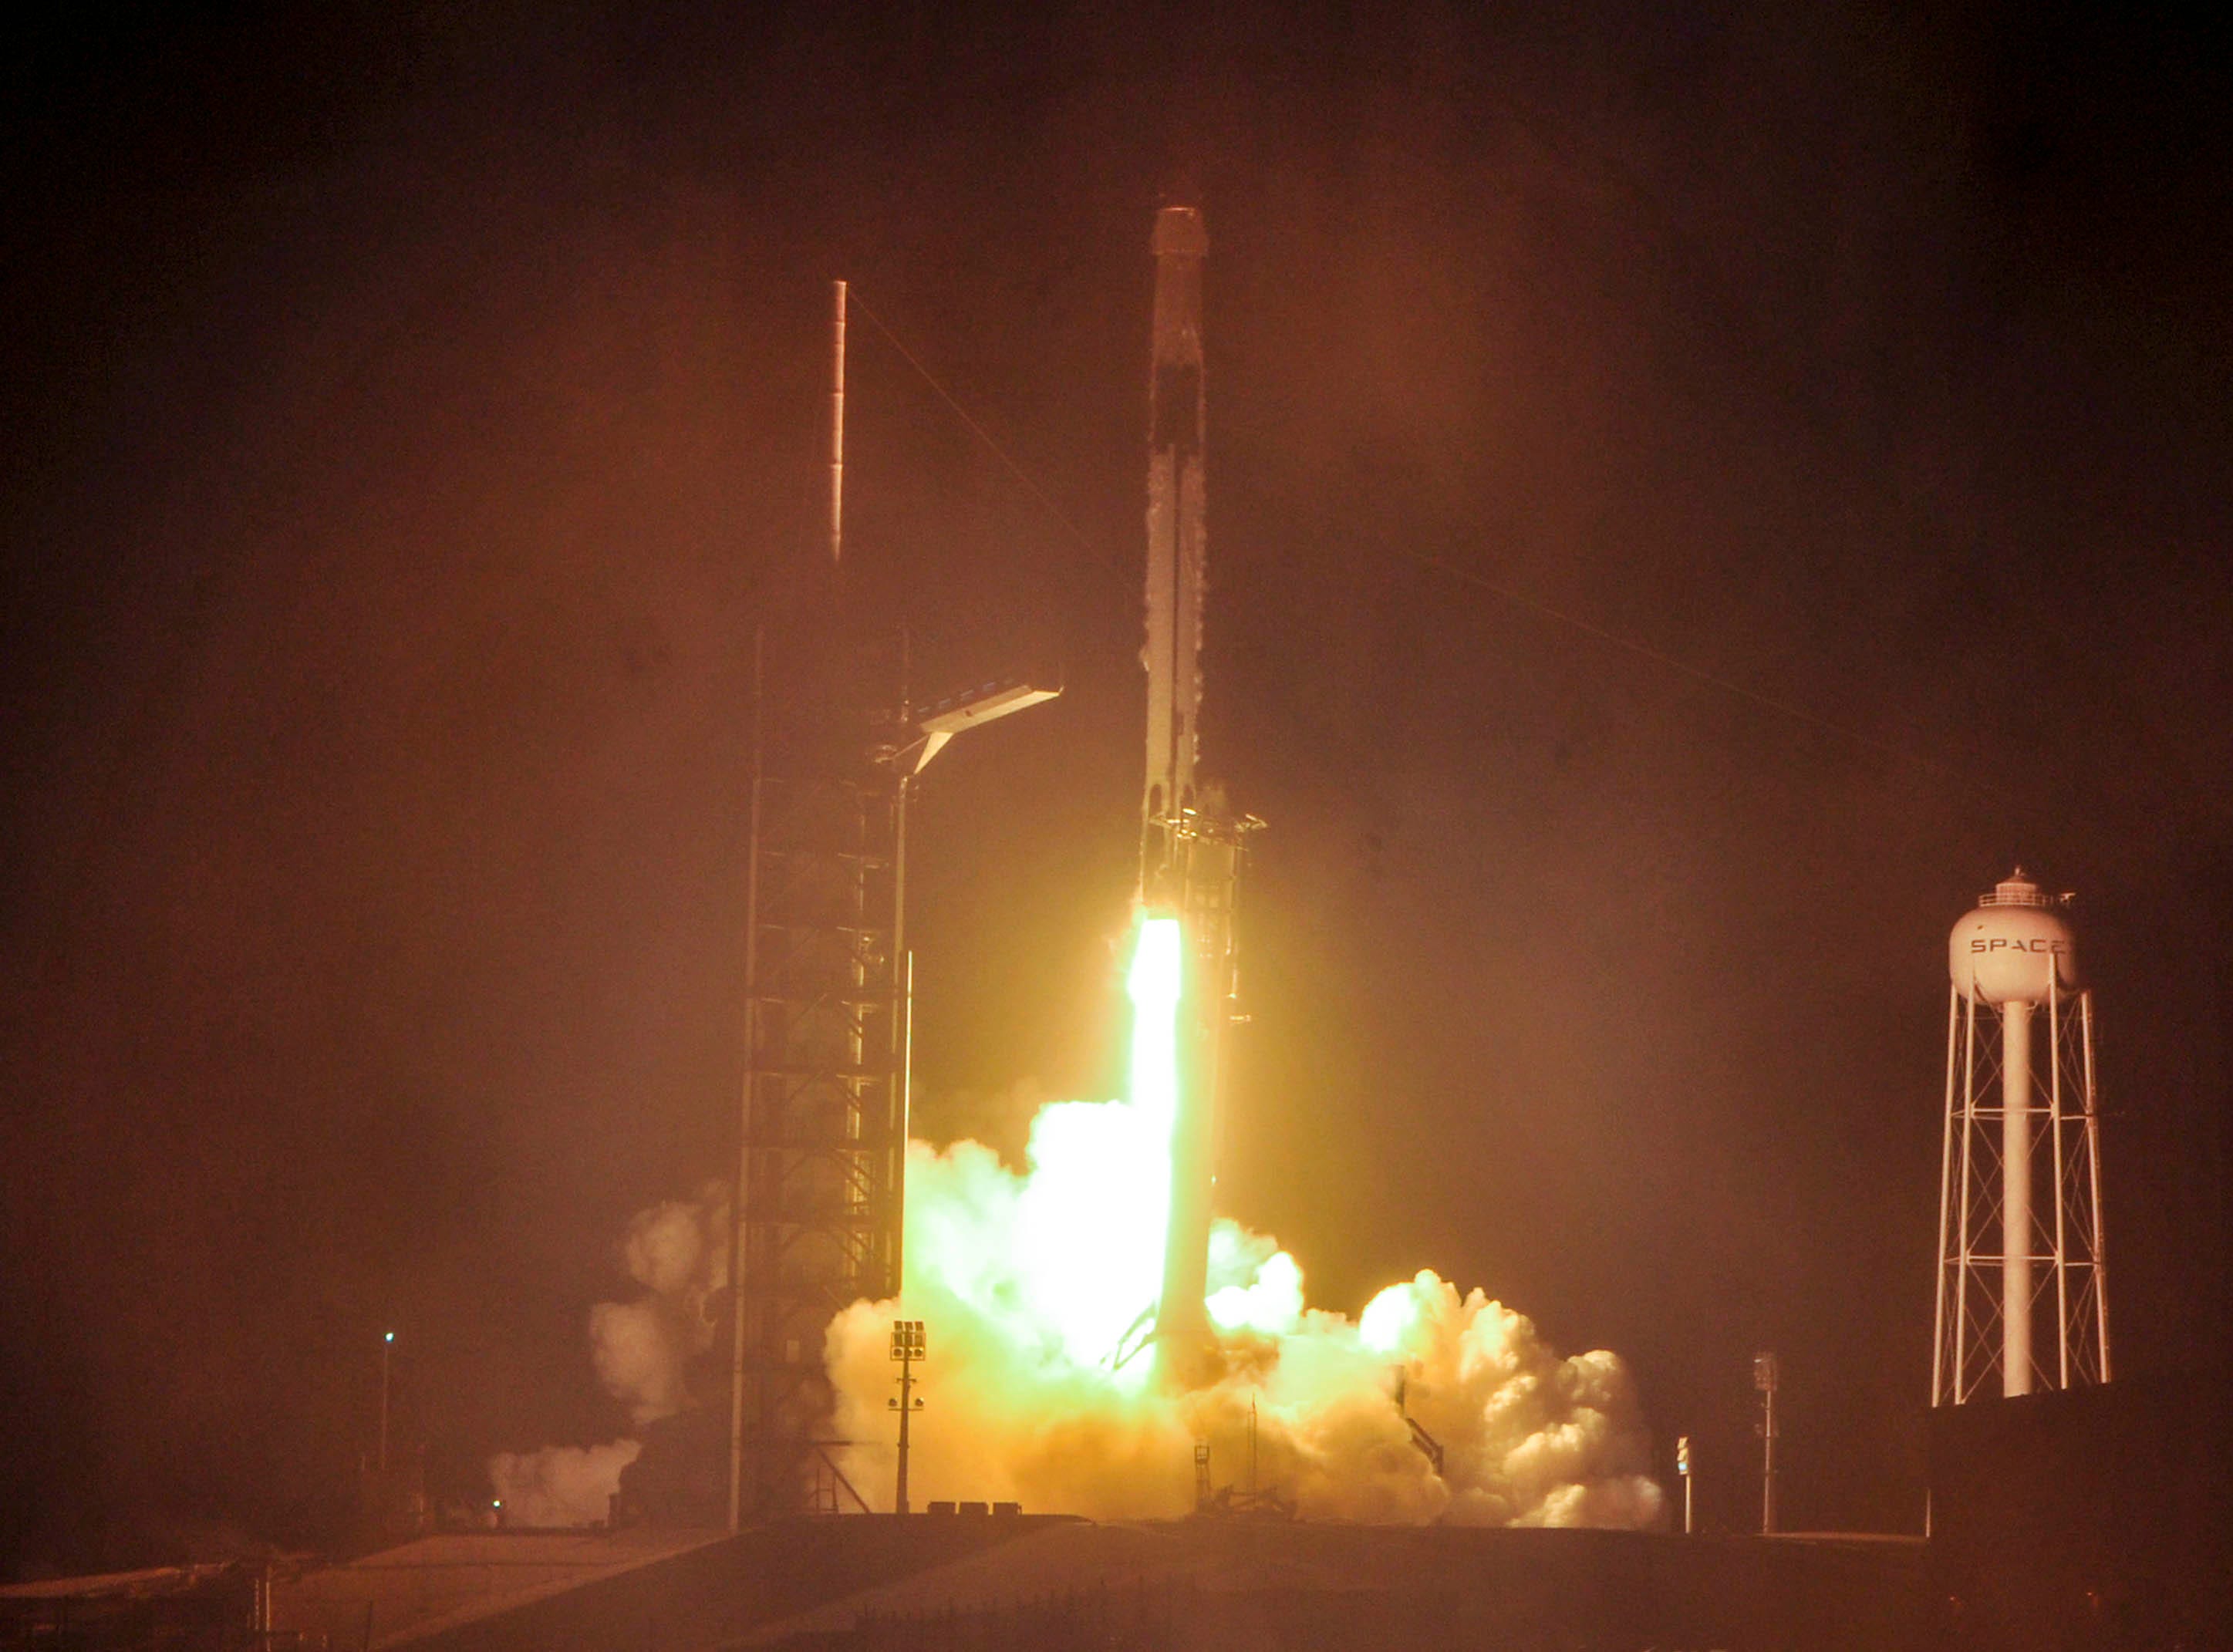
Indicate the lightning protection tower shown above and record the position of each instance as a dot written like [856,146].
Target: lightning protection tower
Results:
[2020,1238]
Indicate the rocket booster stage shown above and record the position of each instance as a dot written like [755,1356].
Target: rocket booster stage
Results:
[1175,551]
[1190,845]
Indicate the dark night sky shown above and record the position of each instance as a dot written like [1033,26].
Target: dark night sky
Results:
[409,416]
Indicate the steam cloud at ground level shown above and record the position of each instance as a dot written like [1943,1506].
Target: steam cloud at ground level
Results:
[643,1351]
[1032,1285]
[559,1485]
[1022,1281]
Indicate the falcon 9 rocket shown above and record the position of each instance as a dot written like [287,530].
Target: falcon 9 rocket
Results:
[1191,846]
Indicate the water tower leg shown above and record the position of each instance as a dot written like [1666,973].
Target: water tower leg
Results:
[2015,1199]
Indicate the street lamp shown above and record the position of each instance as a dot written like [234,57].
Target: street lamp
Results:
[1764,1377]
[386,1354]
[907,1347]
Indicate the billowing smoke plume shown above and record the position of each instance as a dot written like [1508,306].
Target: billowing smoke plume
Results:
[679,1252]
[1031,1285]
[559,1485]
[1036,1289]
[642,1352]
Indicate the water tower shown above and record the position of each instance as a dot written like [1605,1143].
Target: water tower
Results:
[2020,1203]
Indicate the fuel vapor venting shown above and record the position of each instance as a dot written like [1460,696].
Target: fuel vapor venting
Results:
[1192,845]
[2020,1236]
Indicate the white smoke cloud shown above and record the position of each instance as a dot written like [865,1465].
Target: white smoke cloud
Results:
[560,1485]
[642,1352]
[679,1252]
[1528,1438]
[1033,1283]
[635,1347]
[1024,1404]
[676,1249]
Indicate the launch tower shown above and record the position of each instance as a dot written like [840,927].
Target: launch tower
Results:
[822,1129]
[822,1123]
[2019,1237]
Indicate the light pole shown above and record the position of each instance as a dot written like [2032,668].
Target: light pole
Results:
[1764,1376]
[387,1352]
[907,1347]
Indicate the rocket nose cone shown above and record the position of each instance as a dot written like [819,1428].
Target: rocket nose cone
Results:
[1179,233]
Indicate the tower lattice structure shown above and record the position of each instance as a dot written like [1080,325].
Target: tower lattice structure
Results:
[822,1117]
[2022,1291]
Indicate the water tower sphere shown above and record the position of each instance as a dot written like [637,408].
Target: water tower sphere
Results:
[2008,947]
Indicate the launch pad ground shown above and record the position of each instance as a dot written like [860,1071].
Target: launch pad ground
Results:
[414,1593]
[1051,1583]
[1234,1584]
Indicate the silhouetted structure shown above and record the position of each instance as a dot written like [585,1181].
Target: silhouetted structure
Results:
[2099,1517]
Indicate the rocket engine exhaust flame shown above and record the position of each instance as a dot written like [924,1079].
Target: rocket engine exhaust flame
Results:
[1031,1280]
[1036,1285]
[1045,1283]
[1042,1285]
[1039,1287]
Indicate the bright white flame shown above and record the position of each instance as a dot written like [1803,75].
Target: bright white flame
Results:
[1090,1220]
[1386,1319]
[1154,984]
[1271,1302]
[1028,1282]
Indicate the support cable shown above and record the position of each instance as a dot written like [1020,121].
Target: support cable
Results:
[1970,774]
[1014,468]
[1644,650]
